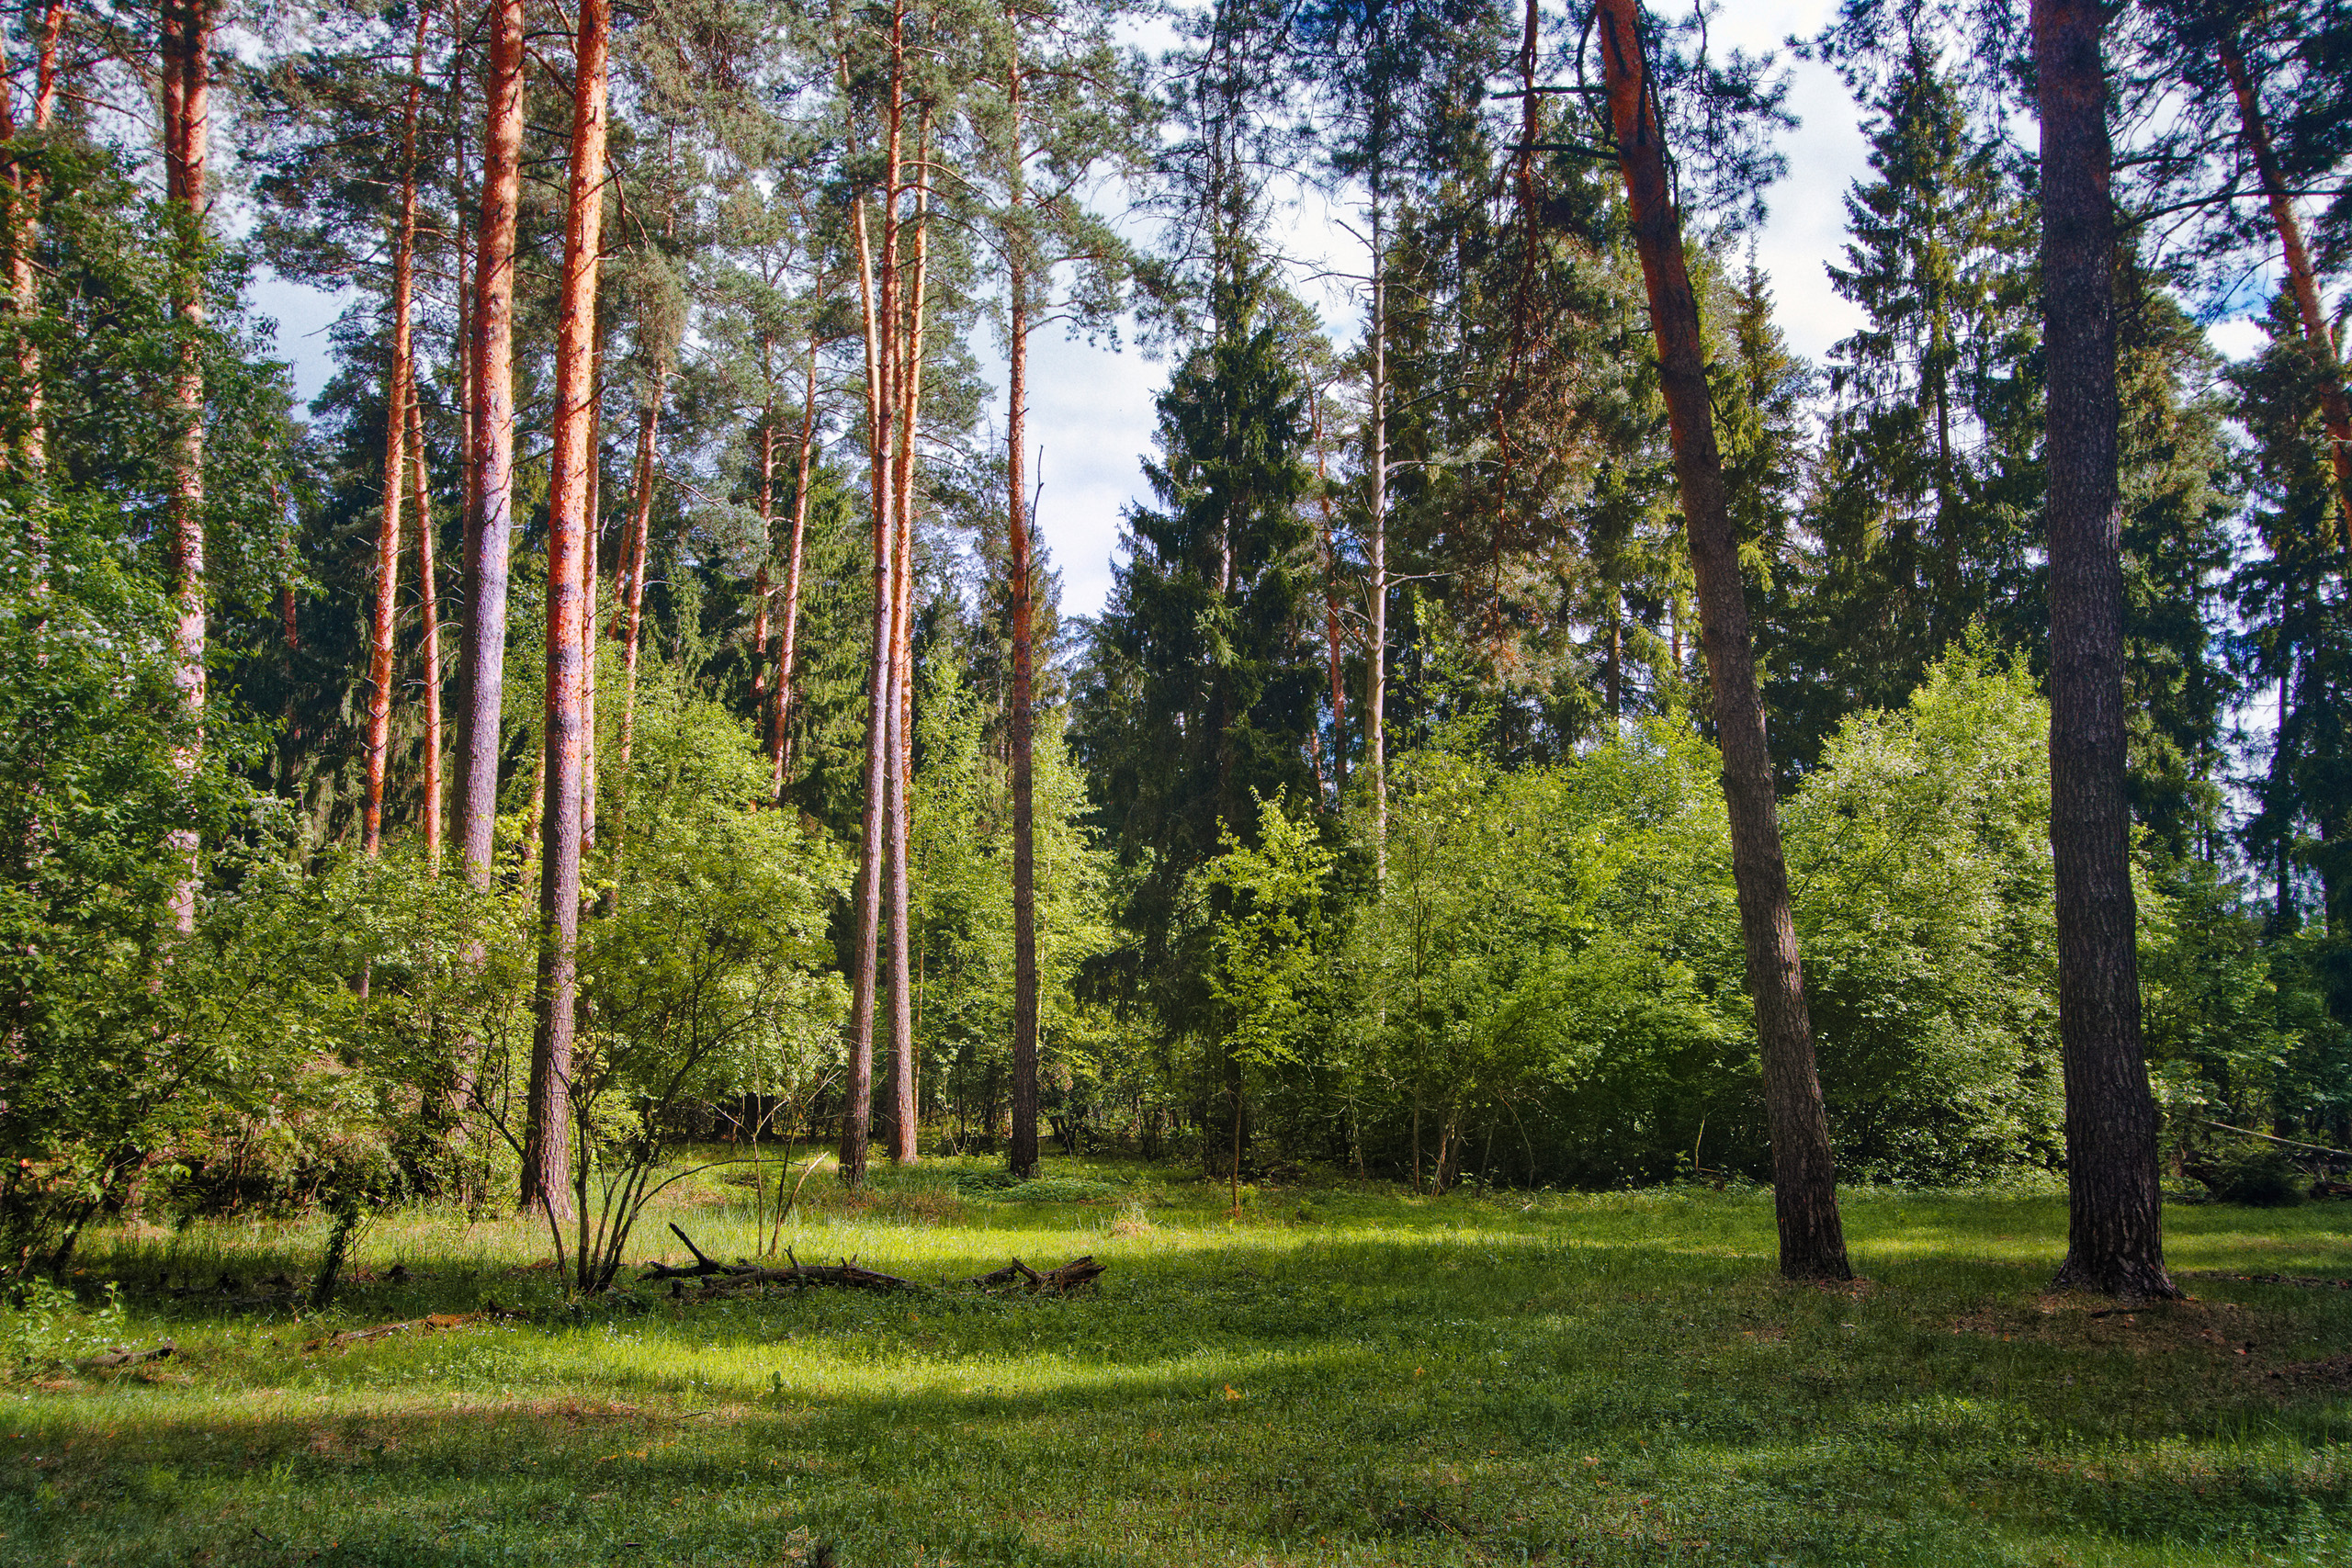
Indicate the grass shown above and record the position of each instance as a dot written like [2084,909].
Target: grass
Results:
[1343,1376]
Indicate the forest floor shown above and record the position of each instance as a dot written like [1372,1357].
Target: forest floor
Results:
[1344,1376]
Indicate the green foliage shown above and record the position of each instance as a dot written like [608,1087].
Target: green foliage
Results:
[960,867]
[1919,859]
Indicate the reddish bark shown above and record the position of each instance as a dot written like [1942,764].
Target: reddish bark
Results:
[1804,1191]
[2335,409]
[787,655]
[901,1082]
[429,608]
[547,1162]
[25,182]
[399,388]
[631,594]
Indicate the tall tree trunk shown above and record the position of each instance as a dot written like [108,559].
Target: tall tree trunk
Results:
[1023,1153]
[901,784]
[634,549]
[399,387]
[429,607]
[762,586]
[489,502]
[1332,643]
[187,125]
[2115,1241]
[25,182]
[2335,409]
[1804,1191]
[547,1156]
[461,335]
[788,649]
[1376,705]
[878,299]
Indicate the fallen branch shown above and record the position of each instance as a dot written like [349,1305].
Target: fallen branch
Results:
[2267,1138]
[128,1357]
[844,1273]
[430,1321]
[705,1266]
[1053,1281]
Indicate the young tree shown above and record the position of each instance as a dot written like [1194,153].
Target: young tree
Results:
[1805,1193]
[2115,1234]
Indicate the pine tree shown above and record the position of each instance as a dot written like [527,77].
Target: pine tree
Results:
[1805,1193]
[2115,1236]
[1913,549]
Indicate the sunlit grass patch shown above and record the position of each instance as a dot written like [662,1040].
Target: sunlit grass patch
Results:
[1345,1375]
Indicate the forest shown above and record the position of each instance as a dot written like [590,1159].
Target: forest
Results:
[617,768]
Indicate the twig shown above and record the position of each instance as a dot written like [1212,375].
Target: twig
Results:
[2266,1137]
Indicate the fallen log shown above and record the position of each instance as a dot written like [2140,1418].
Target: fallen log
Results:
[844,1273]
[128,1357]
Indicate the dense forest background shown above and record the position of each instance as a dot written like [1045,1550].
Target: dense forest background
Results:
[478,782]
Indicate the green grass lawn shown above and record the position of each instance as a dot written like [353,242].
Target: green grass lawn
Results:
[1342,1377]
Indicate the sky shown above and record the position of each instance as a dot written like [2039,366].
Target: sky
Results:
[1092,408]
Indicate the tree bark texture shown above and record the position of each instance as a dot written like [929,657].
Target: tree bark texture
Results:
[788,642]
[1024,1148]
[2115,1233]
[186,69]
[546,1164]
[1804,1189]
[428,596]
[399,388]
[25,182]
[1333,644]
[490,503]
[631,592]
[878,296]
[901,778]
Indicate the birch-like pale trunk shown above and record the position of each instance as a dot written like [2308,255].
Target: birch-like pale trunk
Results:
[490,501]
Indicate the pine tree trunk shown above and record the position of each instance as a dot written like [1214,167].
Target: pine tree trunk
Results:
[489,501]
[1023,1161]
[2115,1242]
[23,225]
[188,125]
[634,550]
[1332,643]
[1804,1191]
[547,1156]
[429,608]
[762,588]
[879,297]
[788,646]
[2336,408]
[399,388]
[901,782]
[1376,705]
